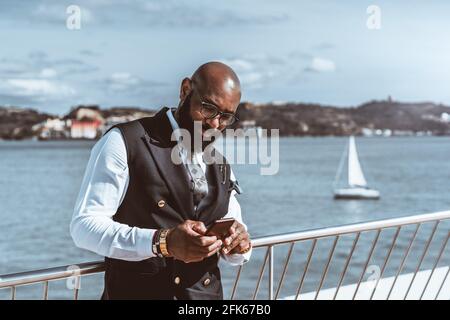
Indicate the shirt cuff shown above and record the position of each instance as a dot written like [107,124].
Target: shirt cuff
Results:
[237,259]
[144,242]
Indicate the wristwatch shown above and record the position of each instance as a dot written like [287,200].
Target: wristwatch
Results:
[163,242]
[159,243]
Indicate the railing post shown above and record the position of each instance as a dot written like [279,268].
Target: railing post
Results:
[425,251]
[13,293]
[271,273]
[305,271]
[442,284]
[288,258]
[45,290]
[405,257]
[233,292]
[261,274]
[77,287]
[435,264]
[325,271]
[374,244]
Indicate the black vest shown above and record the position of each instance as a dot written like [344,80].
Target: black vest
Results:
[159,196]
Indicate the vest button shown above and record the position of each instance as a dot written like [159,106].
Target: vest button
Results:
[177,280]
[206,282]
[161,203]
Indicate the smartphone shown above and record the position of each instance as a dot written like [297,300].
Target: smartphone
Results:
[220,228]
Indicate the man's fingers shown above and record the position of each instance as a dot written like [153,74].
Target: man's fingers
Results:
[205,241]
[232,230]
[230,239]
[199,227]
[240,238]
[212,249]
[244,244]
[195,228]
[234,233]
[207,251]
[215,245]
[192,233]
[235,242]
[213,252]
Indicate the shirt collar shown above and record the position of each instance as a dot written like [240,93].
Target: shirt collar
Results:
[175,128]
[173,123]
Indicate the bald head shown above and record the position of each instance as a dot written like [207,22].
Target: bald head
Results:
[216,78]
[214,84]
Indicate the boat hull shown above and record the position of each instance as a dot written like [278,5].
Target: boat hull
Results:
[357,194]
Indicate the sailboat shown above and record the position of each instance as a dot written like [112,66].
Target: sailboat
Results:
[357,187]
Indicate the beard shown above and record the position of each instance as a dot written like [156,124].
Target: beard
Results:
[187,122]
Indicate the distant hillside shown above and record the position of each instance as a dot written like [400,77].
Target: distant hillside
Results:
[292,119]
[316,120]
[111,112]
[16,123]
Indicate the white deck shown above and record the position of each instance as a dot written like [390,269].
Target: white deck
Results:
[398,293]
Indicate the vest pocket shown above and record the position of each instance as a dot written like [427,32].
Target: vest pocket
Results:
[208,287]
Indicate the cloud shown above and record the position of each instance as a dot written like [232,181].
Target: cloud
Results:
[48,73]
[70,67]
[121,81]
[240,65]
[192,14]
[12,67]
[321,65]
[38,87]
[138,13]
[255,70]
[35,90]
[261,70]
[38,78]
[324,46]
[39,64]
[125,82]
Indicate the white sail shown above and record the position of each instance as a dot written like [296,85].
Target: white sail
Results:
[355,174]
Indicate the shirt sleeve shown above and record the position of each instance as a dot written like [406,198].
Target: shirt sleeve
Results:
[234,211]
[102,190]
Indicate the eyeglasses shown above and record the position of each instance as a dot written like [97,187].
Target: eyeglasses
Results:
[210,111]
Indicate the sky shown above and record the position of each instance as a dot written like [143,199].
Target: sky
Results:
[135,53]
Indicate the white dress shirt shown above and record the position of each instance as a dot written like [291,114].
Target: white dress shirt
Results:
[103,188]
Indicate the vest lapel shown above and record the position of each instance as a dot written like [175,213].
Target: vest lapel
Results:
[175,175]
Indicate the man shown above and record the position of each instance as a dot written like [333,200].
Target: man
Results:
[147,214]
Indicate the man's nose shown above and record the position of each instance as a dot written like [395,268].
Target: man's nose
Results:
[214,122]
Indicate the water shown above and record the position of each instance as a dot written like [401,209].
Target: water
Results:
[39,182]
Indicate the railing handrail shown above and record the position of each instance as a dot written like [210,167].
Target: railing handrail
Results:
[54,273]
[349,228]
[42,275]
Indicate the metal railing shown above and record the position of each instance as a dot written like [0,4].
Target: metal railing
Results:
[335,234]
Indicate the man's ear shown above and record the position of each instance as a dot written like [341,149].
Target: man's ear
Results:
[185,88]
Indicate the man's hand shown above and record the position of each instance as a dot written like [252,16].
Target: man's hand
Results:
[237,240]
[187,242]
